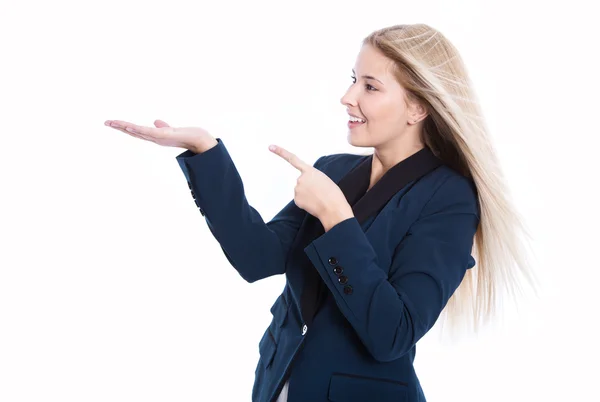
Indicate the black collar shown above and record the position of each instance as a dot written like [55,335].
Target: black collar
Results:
[365,203]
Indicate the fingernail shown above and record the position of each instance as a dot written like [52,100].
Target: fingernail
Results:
[129,129]
[272,147]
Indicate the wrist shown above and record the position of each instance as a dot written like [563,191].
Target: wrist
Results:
[204,145]
[336,215]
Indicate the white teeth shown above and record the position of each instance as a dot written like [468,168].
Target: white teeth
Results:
[356,119]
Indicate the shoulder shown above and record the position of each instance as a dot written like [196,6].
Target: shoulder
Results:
[442,189]
[450,191]
[340,163]
[336,166]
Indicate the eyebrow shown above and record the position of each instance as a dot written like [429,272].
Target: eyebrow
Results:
[367,76]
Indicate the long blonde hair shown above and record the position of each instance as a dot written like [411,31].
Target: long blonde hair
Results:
[432,72]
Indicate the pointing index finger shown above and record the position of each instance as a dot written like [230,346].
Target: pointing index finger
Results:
[290,157]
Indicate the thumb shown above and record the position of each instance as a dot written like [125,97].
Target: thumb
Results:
[160,123]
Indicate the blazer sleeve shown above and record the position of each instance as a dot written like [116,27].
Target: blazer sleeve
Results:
[254,248]
[390,313]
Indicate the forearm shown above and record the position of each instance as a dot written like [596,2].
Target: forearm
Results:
[255,249]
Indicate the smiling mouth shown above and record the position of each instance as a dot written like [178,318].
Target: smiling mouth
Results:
[355,123]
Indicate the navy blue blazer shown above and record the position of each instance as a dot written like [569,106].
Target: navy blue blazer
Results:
[404,264]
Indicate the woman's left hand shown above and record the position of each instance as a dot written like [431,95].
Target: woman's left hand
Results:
[315,192]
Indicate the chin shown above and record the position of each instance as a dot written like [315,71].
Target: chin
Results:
[356,141]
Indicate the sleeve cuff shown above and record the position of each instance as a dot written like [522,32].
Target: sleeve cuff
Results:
[341,255]
[202,160]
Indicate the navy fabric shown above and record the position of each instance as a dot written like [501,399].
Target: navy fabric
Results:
[400,267]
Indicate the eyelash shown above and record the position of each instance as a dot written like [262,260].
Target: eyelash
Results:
[368,85]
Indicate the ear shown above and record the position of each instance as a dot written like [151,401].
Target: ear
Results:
[416,112]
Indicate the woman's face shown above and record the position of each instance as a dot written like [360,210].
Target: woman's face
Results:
[376,97]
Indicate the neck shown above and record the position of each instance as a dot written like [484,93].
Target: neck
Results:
[388,155]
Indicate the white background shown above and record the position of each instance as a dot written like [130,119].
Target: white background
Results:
[111,285]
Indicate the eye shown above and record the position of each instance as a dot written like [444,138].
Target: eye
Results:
[369,87]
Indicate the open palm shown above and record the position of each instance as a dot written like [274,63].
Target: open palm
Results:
[162,134]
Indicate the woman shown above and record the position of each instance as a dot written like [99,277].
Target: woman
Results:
[374,247]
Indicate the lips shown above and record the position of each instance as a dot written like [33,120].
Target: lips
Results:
[352,124]
[356,116]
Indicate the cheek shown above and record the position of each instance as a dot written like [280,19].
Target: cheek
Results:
[385,115]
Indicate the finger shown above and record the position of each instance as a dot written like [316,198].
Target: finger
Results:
[143,137]
[290,157]
[150,132]
[159,123]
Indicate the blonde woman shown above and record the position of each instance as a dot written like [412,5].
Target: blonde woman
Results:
[374,247]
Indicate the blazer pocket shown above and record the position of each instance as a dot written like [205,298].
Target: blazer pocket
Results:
[357,388]
[267,348]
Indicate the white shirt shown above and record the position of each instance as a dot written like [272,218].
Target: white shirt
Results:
[284,392]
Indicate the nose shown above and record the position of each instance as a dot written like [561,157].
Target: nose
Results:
[348,99]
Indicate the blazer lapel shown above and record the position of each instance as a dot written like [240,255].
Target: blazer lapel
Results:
[367,203]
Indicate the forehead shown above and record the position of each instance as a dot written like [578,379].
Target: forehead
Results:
[371,62]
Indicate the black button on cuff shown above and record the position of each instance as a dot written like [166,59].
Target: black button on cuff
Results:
[338,270]
[332,261]
[348,289]
[343,279]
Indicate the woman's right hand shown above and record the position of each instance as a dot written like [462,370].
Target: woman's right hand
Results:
[195,139]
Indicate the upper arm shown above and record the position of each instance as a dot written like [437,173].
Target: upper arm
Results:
[431,261]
